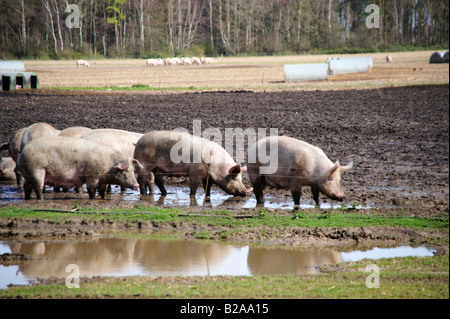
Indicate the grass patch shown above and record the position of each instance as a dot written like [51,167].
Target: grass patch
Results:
[310,219]
[423,278]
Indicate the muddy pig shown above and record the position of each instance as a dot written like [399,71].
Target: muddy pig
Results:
[298,164]
[201,160]
[68,162]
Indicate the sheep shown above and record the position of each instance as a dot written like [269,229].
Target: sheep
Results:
[196,61]
[82,63]
[206,60]
[154,62]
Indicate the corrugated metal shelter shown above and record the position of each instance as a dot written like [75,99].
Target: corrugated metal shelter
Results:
[439,57]
[358,59]
[12,66]
[349,65]
[7,81]
[305,72]
[13,75]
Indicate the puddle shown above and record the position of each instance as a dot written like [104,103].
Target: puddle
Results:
[176,197]
[134,257]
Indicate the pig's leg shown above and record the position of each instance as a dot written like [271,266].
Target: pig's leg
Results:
[34,183]
[159,181]
[259,184]
[296,195]
[207,186]
[315,191]
[19,178]
[193,183]
[91,191]
[27,188]
[102,190]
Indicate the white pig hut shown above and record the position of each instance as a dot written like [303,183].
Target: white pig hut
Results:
[305,72]
[439,57]
[13,75]
[349,65]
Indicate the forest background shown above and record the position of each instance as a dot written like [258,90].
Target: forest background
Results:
[53,29]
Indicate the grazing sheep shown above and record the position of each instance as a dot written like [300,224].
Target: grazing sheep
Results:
[196,61]
[82,63]
[206,60]
[186,61]
[154,62]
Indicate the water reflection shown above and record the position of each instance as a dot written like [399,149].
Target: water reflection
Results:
[133,257]
[126,257]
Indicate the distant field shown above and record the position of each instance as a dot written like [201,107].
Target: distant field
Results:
[237,73]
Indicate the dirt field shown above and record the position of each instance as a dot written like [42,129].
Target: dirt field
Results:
[238,73]
[398,138]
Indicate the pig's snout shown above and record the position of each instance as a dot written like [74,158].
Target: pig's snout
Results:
[249,191]
[136,187]
[340,197]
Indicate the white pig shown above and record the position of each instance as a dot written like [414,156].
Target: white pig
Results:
[68,162]
[7,166]
[299,164]
[158,152]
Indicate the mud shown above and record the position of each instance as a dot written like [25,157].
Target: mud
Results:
[398,138]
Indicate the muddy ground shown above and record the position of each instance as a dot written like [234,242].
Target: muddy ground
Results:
[398,138]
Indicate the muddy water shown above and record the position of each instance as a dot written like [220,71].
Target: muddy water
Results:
[133,257]
[176,197]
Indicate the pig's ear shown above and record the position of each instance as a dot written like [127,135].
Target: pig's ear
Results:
[137,163]
[333,170]
[235,170]
[121,166]
[346,168]
[4,146]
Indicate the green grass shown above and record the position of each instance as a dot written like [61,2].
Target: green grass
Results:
[311,218]
[410,277]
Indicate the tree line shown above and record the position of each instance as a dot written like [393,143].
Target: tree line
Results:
[157,28]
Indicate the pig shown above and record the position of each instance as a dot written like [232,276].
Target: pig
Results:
[68,162]
[7,167]
[121,140]
[299,164]
[157,152]
[37,130]
[75,132]
[388,59]
[23,136]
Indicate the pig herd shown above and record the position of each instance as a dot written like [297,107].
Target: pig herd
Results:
[42,155]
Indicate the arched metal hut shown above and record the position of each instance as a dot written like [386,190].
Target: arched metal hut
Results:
[12,75]
[349,65]
[305,72]
[439,57]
